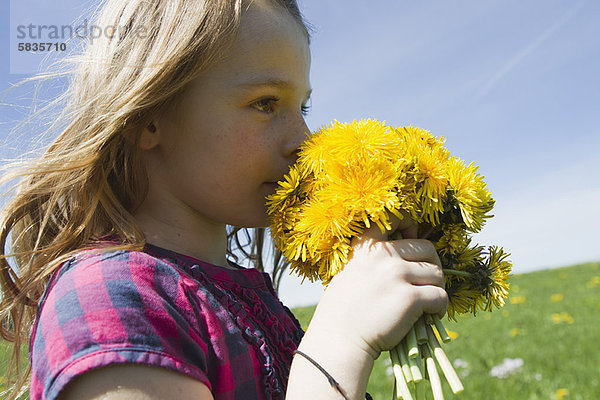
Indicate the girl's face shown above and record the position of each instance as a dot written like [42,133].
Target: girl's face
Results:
[236,130]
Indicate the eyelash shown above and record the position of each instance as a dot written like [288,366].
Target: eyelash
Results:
[270,101]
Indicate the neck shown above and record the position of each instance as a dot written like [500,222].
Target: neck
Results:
[186,234]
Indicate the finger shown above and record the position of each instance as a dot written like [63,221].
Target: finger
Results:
[424,273]
[417,250]
[407,227]
[434,300]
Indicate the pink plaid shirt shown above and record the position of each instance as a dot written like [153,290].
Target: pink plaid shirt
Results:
[225,328]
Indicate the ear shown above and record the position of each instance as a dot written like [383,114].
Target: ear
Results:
[149,137]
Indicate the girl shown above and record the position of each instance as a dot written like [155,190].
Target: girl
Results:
[179,125]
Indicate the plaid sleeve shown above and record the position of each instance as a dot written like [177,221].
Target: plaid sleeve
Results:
[110,308]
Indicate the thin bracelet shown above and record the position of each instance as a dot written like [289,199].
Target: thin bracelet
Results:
[330,378]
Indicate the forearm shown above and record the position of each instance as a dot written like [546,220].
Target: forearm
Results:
[349,365]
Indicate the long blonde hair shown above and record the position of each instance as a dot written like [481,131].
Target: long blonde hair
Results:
[90,180]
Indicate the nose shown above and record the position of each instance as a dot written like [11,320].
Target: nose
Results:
[298,132]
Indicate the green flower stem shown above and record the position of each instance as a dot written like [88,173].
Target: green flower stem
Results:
[421,331]
[445,364]
[449,271]
[401,386]
[420,391]
[439,326]
[403,357]
[411,343]
[434,376]
[416,365]
[397,369]
[428,319]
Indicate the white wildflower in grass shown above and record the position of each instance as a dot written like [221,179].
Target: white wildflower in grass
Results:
[509,366]
[462,366]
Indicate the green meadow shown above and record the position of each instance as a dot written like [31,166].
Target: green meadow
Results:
[550,326]
[549,330]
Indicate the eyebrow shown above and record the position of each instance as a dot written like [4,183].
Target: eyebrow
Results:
[277,83]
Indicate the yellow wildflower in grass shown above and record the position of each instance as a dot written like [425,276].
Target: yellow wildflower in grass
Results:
[557,297]
[559,318]
[594,282]
[515,332]
[517,300]
[561,393]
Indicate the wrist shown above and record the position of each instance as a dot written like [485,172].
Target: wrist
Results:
[347,366]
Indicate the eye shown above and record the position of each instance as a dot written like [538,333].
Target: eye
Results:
[305,110]
[265,105]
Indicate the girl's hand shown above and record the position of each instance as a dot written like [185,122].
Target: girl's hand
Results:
[382,291]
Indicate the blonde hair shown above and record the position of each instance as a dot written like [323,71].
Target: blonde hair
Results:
[90,180]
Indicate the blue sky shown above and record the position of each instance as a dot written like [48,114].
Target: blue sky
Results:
[511,85]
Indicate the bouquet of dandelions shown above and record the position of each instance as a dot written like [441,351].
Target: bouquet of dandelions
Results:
[349,176]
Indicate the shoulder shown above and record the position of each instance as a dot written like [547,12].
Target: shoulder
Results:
[90,271]
[112,264]
[110,307]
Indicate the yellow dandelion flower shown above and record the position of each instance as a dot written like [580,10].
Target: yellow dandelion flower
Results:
[594,282]
[559,318]
[561,393]
[462,298]
[454,239]
[334,261]
[517,300]
[557,297]
[427,159]
[324,223]
[515,332]
[470,192]
[567,318]
[417,137]
[367,191]
[556,318]
[369,138]
[430,168]
[498,270]
[305,270]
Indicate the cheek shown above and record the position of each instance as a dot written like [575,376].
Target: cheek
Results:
[247,143]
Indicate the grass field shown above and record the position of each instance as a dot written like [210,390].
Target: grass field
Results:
[551,323]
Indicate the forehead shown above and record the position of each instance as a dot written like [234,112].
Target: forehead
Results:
[270,44]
